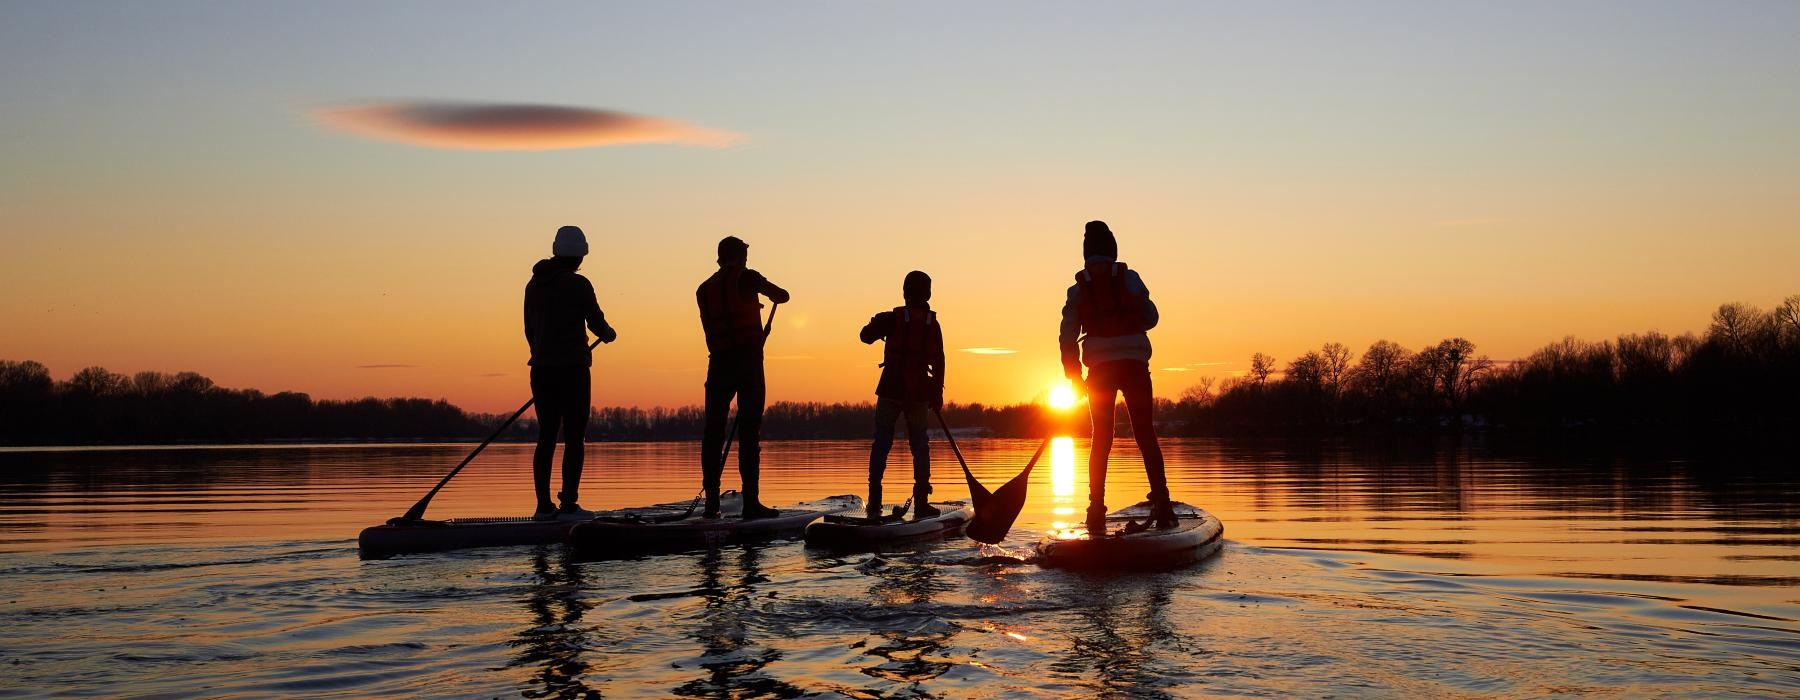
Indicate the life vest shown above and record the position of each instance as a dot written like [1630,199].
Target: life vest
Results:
[908,349]
[1106,308]
[732,320]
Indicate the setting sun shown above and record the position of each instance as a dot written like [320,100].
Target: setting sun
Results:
[1062,396]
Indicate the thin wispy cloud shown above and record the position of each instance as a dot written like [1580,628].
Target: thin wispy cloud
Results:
[1469,222]
[1189,367]
[386,366]
[486,126]
[989,351]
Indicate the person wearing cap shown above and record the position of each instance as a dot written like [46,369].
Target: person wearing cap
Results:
[560,309]
[731,316]
[911,384]
[1105,317]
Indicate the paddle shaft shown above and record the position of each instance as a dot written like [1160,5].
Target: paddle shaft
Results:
[965,464]
[952,438]
[417,512]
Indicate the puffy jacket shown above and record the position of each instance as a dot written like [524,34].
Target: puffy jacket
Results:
[558,303]
[1118,311]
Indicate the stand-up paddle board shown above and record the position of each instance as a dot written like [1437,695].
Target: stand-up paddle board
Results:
[638,531]
[852,532]
[458,533]
[1197,535]
[415,536]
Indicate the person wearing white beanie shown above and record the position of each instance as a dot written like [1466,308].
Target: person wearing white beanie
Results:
[560,309]
[570,243]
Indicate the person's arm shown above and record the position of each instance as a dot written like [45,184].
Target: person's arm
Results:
[752,282]
[877,328]
[1070,337]
[530,328]
[596,319]
[937,364]
[1148,311]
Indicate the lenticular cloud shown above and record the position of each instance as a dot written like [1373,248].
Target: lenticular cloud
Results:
[512,127]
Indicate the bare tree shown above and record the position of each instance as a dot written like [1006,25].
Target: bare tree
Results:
[1261,366]
[1787,321]
[1382,369]
[1453,369]
[1305,371]
[1201,393]
[1334,368]
[1733,325]
[1644,356]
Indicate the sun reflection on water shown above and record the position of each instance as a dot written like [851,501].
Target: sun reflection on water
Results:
[1062,468]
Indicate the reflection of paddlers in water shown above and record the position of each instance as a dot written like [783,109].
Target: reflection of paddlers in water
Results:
[559,310]
[731,315]
[912,383]
[1103,327]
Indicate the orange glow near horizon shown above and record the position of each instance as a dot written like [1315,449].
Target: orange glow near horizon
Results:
[1062,395]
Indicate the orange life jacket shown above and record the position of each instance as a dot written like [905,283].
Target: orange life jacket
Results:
[1106,308]
[732,320]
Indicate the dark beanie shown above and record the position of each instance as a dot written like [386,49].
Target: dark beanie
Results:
[916,288]
[732,249]
[1099,241]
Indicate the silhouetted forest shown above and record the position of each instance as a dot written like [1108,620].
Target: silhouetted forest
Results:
[1740,379]
[99,407]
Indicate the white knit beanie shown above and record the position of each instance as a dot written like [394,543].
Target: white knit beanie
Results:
[570,243]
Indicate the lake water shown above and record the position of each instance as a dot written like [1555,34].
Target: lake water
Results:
[234,572]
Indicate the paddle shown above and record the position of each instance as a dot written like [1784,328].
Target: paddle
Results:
[417,512]
[995,510]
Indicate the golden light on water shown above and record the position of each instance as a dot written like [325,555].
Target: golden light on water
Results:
[1062,396]
[1062,466]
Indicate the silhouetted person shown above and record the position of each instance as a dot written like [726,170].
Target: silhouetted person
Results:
[1103,326]
[912,383]
[560,309]
[731,315]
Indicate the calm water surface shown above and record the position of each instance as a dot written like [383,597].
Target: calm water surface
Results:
[233,572]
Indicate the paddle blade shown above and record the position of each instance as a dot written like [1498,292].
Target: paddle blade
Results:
[995,512]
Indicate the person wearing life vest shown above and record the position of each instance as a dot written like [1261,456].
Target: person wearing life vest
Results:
[912,383]
[1104,323]
[731,316]
[560,310]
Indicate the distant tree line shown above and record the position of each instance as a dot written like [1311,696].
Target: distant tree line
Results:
[1741,377]
[95,406]
[794,420]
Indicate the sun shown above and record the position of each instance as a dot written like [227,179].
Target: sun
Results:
[1062,396]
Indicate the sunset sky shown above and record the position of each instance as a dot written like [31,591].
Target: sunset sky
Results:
[252,190]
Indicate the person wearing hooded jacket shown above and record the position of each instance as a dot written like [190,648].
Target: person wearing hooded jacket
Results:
[911,384]
[731,316]
[560,309]
[1105,319]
